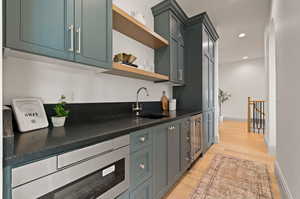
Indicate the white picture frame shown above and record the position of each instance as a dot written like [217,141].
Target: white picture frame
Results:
[30,114]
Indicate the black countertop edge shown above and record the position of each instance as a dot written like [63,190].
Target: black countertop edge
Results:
[15,159]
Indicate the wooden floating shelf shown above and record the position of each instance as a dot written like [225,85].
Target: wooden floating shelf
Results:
[126,24]
[132,72]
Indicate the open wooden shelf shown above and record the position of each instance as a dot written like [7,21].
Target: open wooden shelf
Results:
[126,24]
[132,72]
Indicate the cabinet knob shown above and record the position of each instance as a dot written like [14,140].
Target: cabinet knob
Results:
[187,159]
[188,138]
[170,128]
[142,166]
[142,139]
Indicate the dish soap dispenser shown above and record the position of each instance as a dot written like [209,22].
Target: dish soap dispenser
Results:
[164,102]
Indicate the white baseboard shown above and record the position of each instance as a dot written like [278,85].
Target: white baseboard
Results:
[285,191]
[271,148]
[235,119]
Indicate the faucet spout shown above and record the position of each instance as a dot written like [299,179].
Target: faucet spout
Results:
[137,108]
[138,93]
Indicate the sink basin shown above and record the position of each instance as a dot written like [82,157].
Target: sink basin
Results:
[154,115]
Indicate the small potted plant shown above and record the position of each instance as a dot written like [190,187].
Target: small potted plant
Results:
[60,113]
[223,97]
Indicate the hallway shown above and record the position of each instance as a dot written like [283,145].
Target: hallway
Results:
[235,141]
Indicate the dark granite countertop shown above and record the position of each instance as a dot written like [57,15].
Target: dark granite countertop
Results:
[39,144]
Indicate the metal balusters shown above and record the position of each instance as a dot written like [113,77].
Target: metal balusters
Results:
[256,116]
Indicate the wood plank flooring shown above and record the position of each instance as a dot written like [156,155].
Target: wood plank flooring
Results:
[235,141]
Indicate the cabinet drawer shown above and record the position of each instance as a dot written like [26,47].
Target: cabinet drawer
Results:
[33,171]
[140,139]
[144,191]
[141,166]
[90,151]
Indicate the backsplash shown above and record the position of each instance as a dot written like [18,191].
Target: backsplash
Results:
[28,78]
[89,112]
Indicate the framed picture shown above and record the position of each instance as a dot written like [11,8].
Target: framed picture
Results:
[30,114]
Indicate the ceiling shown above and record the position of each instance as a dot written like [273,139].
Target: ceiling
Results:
[232,17]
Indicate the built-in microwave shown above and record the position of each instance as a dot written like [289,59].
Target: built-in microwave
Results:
[101,177]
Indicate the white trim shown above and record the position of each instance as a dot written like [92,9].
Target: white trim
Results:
[216,83]
[285,191]
[271,148]
[235,119]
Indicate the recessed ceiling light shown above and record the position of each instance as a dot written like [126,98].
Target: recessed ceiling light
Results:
[242,35]
[246,57]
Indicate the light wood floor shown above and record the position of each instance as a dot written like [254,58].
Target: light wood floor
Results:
[235,141]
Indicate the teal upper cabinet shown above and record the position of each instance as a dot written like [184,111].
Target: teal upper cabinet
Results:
[93,29]
[73,30]
[40,26]
[168,22]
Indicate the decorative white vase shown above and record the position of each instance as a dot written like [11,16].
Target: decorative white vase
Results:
[58,121]
[221,118]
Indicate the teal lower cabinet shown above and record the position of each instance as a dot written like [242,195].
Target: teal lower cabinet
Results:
[144,191]
[160,163]
[208,129]
[141,165]
[170,155]
[174,171]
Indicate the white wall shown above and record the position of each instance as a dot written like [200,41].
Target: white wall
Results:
[287,17]
[35,78]
[242,79]
[270,67]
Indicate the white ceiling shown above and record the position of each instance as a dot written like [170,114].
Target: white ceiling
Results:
[230,18]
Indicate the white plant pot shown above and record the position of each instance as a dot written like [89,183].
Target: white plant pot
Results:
[221,118]
[58,121]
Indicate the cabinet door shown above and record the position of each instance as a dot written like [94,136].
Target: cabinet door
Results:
[205,41]
[174,26]
[205,83]
[144,191]
[174,59]
[42,27]
[94,32]
[173,153]
[211,85]
[160,158]
[185,145]
[211,48]
[211,127]
[181,62]
[205,132]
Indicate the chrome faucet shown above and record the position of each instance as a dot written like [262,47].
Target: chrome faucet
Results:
[137,108]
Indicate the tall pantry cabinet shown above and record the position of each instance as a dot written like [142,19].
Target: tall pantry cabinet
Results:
[199,90]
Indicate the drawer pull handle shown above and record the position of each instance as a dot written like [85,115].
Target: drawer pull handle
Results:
[142,139]
[187,159]
[142,166]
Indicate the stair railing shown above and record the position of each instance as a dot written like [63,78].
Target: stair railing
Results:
[256,116]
